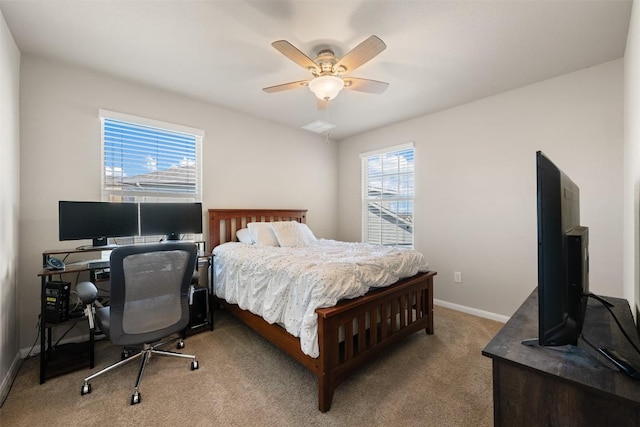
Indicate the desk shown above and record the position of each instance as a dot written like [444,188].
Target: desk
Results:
[568,385]
[55,361]
[71,356]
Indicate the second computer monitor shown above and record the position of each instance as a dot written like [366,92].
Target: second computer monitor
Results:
[170,219]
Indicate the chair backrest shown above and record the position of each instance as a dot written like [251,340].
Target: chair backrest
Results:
[149,297]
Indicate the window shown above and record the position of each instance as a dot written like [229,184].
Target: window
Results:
[387,196]
[146,160]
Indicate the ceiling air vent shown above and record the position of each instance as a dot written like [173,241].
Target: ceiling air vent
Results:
[318,126]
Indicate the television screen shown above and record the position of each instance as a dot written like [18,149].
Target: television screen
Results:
[170,219]
[562,256]
[96,220]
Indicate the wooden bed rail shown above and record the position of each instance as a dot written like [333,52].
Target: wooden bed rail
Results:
[350,333]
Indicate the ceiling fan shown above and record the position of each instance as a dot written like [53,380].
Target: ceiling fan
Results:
[328,71]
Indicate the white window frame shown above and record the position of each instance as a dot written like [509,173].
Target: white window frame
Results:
[142,196]
[402,233]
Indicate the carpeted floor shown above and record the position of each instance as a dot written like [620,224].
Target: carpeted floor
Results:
[437,380]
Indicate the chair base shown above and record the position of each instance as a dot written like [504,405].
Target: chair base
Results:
[144,355]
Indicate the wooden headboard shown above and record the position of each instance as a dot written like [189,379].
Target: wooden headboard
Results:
[223,223]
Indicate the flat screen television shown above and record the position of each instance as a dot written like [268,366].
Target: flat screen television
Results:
[563,257]
[97,221]
[170,219]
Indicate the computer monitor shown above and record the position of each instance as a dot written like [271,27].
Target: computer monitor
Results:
[563,257]
[78,220]
[170,219]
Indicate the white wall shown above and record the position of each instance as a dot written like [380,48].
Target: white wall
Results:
[247,162]
[9,204]
[475,205]
[632,160]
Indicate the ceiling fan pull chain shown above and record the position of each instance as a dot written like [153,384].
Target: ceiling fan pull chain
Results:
[326,136]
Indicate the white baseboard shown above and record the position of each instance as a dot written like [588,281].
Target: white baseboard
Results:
[7,381]
[471,310]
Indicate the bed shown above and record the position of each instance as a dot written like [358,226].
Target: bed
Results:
[349,333]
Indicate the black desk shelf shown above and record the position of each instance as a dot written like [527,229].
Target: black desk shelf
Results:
[66,358]
[60,359]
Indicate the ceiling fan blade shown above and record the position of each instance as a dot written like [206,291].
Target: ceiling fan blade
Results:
[360,54]
[365,85]
[286,86]
[294,54]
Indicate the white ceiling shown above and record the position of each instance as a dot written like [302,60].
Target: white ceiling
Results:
[439,53]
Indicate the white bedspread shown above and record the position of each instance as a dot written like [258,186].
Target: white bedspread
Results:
[286,285]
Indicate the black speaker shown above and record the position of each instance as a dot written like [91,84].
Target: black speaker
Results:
[198,307]
[57,301]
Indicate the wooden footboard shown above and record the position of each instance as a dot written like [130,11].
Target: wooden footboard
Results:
[346,342]
[350,333]
[384,316]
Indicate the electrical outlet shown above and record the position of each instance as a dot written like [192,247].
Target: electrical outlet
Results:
[457,277]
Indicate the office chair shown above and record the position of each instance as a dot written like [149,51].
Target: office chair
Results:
[148,302]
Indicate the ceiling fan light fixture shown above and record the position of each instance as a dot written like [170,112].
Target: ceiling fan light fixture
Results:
[326,87]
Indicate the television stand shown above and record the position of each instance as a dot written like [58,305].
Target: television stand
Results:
[567,385]
[602,300]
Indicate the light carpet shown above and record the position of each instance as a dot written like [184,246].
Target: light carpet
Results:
[243,380]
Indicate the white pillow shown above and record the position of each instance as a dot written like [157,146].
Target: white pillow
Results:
[311,238]
[262,233]
[289,233]
[244,236]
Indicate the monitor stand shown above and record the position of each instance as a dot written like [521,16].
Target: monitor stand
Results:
[100,241]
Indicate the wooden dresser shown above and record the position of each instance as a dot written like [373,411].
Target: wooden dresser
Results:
[568,385]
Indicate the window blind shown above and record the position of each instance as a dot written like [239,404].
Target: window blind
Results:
[145,160]
[144,163]
[388,196]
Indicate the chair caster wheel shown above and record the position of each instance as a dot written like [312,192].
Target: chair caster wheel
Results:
[180,344]
[135,398]
[194,365]
[125,354]
[86,389]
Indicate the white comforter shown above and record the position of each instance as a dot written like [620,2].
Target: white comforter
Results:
[286,285]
